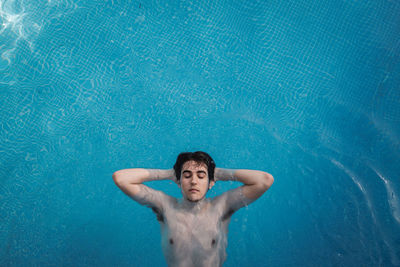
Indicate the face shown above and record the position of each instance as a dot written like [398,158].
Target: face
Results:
[194,176]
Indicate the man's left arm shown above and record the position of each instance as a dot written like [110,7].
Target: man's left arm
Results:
[255,182]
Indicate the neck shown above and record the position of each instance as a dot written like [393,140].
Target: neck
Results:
[193,206]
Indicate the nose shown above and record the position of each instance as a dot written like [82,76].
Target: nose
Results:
[194,179]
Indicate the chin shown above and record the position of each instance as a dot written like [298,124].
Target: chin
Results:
[194,199]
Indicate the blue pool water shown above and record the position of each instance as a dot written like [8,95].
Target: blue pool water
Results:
[305,90]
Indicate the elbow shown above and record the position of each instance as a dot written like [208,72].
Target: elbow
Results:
[116,177]
[269,180]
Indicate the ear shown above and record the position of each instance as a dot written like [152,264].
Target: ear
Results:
[212,183]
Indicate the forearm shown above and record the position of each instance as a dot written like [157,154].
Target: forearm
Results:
[248,177]
[141,175]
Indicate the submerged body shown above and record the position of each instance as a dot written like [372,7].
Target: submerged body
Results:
[191,237]
[194,233]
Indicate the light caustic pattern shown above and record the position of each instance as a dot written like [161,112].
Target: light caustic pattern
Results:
[15,26]
[22,21]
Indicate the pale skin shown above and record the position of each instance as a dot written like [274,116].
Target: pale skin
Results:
[194,229]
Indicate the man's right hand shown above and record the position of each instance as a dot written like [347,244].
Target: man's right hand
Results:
[175,179]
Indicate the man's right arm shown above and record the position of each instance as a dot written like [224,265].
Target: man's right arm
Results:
[130,181]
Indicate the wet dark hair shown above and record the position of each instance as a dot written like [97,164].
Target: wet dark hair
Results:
[199,157]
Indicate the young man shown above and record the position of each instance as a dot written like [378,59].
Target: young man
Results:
[194,229]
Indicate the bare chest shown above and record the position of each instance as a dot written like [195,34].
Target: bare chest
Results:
[185,231]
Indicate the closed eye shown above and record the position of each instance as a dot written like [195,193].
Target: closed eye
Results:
[200,174]
[187,174]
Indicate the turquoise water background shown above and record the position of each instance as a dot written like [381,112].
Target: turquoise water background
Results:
[305,90]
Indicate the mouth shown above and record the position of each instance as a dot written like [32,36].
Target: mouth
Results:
[193,190]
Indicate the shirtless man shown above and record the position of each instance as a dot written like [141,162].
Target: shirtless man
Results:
[194,228]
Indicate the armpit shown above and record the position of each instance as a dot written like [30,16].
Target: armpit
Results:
[227,214]
[160,216]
